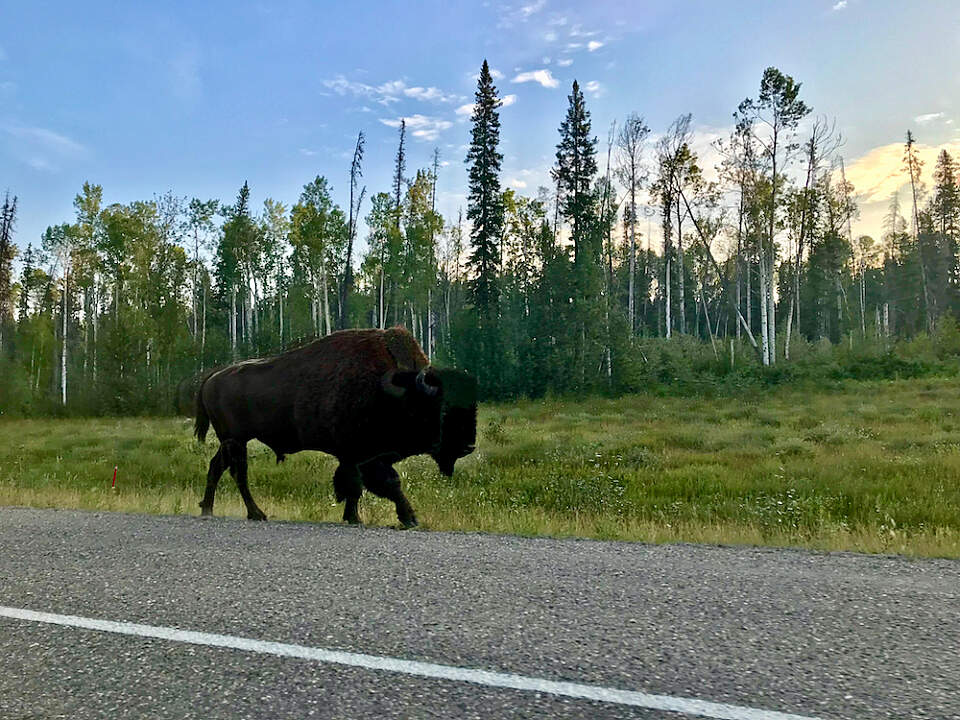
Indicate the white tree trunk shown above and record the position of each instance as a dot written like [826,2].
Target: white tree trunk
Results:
[771,310]
[63,353]
[764,309]
[326,304]
[233,322]
[668,297]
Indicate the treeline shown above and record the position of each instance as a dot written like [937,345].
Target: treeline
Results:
[558,293]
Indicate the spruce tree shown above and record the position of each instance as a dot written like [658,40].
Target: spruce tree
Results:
[485,201]
[576,168]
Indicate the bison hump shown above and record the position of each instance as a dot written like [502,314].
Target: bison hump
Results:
[404,349]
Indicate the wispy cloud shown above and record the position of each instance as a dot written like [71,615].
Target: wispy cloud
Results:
[928,118]
[565,62]
[46,139]
[307,152]
[517,183]
[840,5]
[422,127]
[544,77]
[594,45]
[594,88]
[389,92]
[41,148]
[465,111]
[533,8]
[185,75]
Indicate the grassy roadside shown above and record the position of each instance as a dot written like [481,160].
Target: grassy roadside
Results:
[871,467]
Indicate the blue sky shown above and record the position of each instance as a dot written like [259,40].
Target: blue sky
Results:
[198,97]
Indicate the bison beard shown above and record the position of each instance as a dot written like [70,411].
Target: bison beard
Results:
[367,397]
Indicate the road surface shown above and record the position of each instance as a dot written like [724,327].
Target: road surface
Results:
[128,616]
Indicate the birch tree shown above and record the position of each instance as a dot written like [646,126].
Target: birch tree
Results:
[631,173]
[773,119]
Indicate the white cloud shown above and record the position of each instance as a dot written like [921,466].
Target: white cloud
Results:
[517,183]
[533,8]
[389,92]
[577,31]
[544,77]
[928,118]
[565,62]
[594,88]
[465,111]
[428,94]
[307,152]
[496,74]
[421,127]
[840,5]
[551,36]
[594,45]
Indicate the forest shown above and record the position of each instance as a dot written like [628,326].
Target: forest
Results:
[758,279]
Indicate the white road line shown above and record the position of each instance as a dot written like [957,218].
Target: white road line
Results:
[687,706]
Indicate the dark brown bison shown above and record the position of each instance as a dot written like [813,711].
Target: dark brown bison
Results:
[367,397]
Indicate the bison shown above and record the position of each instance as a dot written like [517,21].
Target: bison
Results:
[367,397]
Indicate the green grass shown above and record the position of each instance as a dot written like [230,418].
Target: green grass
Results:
[873,466]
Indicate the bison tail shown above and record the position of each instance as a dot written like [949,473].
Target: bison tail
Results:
[202,423]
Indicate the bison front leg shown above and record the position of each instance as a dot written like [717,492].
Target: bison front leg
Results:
[381,479]
[237,457]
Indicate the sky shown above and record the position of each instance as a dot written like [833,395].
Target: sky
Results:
[196,98]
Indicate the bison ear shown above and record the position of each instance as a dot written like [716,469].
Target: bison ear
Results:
[389,384]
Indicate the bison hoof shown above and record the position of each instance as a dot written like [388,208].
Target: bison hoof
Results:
[407,523]
[256,515]
[205,511]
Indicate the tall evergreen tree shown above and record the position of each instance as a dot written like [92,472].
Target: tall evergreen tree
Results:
[484,200]
[575,171]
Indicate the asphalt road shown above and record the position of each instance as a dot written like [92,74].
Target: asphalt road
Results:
[827,636]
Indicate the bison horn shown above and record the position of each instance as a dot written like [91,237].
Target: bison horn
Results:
[391,388]
[425,387]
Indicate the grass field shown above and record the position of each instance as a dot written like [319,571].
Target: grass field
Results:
[871,467]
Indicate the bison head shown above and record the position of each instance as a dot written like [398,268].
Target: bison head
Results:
[458,433]
[441,404]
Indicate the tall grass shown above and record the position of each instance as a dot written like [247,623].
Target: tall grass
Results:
[866,466]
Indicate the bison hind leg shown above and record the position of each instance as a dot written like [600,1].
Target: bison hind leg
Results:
[348,487]
[217,465]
